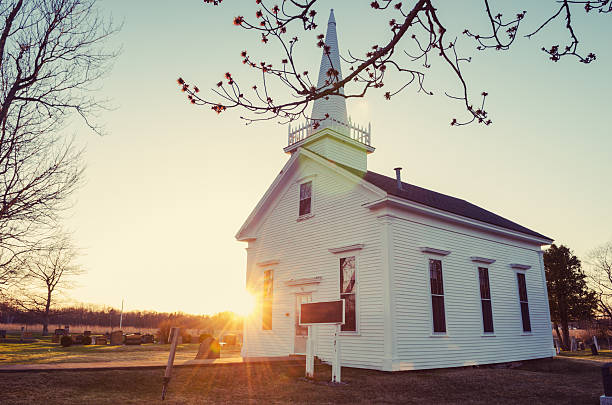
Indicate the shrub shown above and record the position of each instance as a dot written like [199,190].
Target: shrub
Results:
[66,341]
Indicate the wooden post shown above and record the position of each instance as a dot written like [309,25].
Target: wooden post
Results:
[309,354]
[336,361]
[174,335]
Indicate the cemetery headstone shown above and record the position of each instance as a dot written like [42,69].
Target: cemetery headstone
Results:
[2,334]
[133,339]
[209,349]
[116,337]
[574,345]
[596,343]
[100,340]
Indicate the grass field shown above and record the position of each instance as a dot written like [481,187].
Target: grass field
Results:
[43,351]
[553,381]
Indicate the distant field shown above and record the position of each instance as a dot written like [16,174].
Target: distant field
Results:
[44,351]
[554,381]
[96,329]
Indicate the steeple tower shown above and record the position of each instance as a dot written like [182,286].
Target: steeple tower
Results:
[335,137]
[335,106]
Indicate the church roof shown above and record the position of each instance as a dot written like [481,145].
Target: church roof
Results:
[335,106]
[439,201]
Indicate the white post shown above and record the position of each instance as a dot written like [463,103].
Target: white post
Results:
[121,317]
[309,354]
[596,343]
[336,362]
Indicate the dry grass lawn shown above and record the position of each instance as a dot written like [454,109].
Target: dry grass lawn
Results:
[553,381]
[44,351]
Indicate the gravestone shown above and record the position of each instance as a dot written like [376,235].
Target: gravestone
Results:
[574,345]
[133,339]
[116,337]
[148,338]
[2,334]
[100,340]
[209,349]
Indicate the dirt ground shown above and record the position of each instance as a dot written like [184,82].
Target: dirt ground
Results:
[552,381]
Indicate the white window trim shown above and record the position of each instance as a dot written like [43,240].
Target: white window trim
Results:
[299,182]
[263,272]
[357,295]
[436,256]
[477,264]
[518,301]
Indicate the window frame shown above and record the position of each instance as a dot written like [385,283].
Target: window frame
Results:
[345,255]
[299,182]
[435,254]
[520,309]
[264,299]
[478,266]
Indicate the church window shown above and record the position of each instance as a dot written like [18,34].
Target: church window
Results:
[485,300]
[437,295]
[305,198]
[522,289]
[268,290]
[348,292]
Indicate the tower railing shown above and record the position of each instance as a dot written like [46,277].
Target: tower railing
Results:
[353,131]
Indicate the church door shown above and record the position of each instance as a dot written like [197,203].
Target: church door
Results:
[301,332]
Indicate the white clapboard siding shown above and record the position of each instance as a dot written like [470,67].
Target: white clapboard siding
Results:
[332,147]
[302,250]
[464,343]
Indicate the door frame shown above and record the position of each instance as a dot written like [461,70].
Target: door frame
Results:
[295,297]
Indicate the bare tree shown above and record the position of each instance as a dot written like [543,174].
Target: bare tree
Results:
[49,271]
[417,37]
[51,58]
[600,274]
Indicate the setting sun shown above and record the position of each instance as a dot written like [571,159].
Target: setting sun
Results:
[244,303]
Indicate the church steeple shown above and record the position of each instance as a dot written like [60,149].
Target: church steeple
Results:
[335,137]
[329,73]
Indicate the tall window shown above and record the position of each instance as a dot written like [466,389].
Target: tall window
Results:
[522,287]
[485,300]
[437,296]
[305,198]
[347,292]
[268,290]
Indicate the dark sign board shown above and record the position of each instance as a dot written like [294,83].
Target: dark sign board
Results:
[330,312]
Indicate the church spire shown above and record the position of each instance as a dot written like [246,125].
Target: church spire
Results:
[335,106]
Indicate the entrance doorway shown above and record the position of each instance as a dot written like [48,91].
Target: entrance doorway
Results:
[301,332]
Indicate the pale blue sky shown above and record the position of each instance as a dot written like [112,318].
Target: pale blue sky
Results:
[170,184]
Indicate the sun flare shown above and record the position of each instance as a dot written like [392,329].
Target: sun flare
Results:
[244,303]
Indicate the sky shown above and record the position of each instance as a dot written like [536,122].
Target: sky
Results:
[170,184]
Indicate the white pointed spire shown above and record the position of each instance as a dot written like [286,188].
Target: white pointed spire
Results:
[335,106]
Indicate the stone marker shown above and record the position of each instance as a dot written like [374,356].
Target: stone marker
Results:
[116,337]
[574,345]
[209,349]
[596,343]
[100,340]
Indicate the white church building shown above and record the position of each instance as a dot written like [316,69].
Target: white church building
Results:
[429,280]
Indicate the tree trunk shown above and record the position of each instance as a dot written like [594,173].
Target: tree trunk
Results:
[559,336]
[566,335]
[45,330]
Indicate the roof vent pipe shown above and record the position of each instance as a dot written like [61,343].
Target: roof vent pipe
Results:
[398,176]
